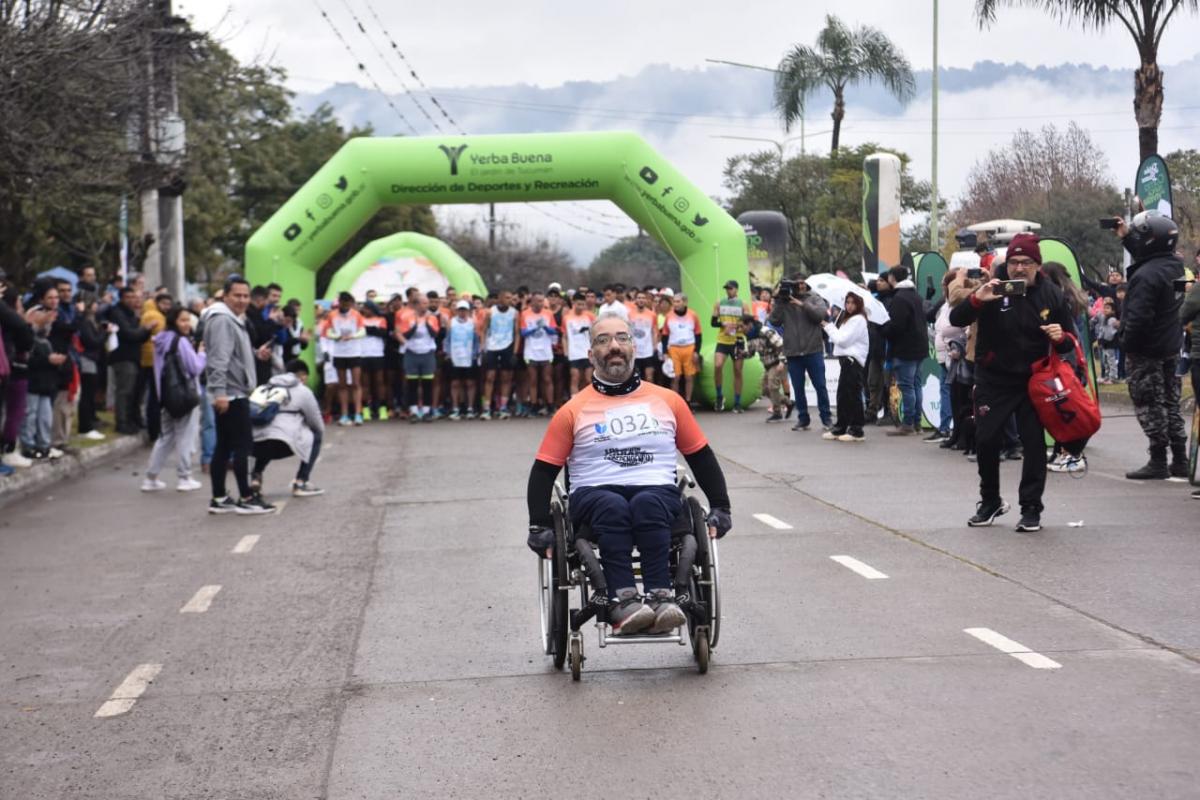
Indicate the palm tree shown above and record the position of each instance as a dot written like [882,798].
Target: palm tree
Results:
[1144,19]
[841,57]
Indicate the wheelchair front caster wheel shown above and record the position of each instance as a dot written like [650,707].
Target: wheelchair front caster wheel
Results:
[576,659]
[701,653]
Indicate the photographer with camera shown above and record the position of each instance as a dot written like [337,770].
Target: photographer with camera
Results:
[1016,319]
[1151,337]
[800,313]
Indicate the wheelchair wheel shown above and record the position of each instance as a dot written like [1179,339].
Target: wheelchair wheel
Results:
[701,652]
[576,659]
[713,573]
[559,613]
[707,588]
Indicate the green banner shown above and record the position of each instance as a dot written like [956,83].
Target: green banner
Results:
[369,173]
[1153,185]
[393,263]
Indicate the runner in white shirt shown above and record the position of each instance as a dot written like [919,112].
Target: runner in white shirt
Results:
[612,304]
[577,327]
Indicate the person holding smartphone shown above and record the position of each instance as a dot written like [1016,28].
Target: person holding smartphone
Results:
[1014,331]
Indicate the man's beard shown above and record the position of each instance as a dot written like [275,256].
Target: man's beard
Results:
[617,370]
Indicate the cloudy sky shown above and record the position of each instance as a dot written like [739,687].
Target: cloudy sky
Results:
[455,46]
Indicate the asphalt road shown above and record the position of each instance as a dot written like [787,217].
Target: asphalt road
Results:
[382,641]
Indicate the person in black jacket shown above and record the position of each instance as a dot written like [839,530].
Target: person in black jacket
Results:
[1012,334]
[18,339]
[1151,337]
[126,359]
[907,336]
[264,322]
[91,340]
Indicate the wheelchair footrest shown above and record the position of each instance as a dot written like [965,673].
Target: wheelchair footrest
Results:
[596,607]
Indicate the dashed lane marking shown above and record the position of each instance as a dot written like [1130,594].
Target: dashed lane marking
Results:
[1014,649]
[125,695]
[853,564]
[201,600]
[246,544]
[773,522]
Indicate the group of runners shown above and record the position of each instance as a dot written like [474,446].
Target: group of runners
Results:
[426,356]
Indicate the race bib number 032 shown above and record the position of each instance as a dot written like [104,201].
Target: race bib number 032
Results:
[634,419]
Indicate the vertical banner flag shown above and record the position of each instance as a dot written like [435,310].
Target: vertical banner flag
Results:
[766,245]
[1153,185]
[881,213]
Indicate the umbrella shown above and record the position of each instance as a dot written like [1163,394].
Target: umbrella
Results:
[833,290]
[62,274]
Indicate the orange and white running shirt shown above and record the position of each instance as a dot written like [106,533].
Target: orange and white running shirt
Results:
[642,321]
[681,330]
[578,330]
[628,440]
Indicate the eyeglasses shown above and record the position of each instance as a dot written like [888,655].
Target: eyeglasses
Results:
[605,338]
[1020,262]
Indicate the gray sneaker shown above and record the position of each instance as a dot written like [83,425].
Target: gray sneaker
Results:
[667,615]
[630,615]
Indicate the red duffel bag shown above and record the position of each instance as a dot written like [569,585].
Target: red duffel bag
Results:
[1068,413]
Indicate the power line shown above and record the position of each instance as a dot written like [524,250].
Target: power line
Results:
[388,64]
[411,70]
[434,100]
[362,67]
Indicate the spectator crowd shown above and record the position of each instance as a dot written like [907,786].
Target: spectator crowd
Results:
[223,378]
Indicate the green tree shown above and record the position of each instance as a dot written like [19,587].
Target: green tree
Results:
[1184,166]
[1058,179]
[842,57]
[633,261]
[1145,20]
[515,261]
[822,199]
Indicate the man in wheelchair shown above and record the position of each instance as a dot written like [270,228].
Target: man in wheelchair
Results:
[618,439]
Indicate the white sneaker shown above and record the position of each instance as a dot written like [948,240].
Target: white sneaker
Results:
[188,484]
[16,460]
[94,436]
[55,453]
[153,485]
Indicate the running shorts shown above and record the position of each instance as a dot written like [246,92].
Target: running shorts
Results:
[642,364]
[683,359]
[579,363]
[727,349]
[462,373]
[347,362]
[374,364]
[498,359]
[420,365]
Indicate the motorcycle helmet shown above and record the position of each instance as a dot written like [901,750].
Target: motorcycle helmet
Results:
[1151,234]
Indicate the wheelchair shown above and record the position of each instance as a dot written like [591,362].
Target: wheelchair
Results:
[575,568]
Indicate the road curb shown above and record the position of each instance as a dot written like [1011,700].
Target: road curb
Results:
[24,482]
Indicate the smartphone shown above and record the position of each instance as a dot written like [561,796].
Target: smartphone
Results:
[1109,223]
[1012,288]
[975,273]
[1182,284]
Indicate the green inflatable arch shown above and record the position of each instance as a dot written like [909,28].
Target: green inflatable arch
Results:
[369,173]
[461,275]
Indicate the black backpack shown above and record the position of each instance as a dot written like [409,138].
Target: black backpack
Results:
[179,395]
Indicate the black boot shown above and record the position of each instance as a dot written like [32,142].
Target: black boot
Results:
[1180,468]
[1155,469]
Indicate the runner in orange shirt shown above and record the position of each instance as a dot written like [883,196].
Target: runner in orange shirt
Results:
[618,438]
[682,330]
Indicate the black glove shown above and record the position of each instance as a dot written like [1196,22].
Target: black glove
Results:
[540,539]
[720,519]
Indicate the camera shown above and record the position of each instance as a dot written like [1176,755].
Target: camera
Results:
[787,290]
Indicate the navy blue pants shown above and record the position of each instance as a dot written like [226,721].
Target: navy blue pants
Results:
[624,516]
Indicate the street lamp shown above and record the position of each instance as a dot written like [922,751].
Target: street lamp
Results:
[779,143]
[933,209]
[764,69]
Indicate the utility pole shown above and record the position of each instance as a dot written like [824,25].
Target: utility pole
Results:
[933,209]
[491,226]
[163,145]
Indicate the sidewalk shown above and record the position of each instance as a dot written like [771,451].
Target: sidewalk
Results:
[42,474]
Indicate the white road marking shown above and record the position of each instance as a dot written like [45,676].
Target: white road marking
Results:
[777,524]
[246,544]
[867,571]
[125,695]
[201,600]
[280,505]
[1014,649]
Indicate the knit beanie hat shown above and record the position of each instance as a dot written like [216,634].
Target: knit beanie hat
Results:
[1025,244]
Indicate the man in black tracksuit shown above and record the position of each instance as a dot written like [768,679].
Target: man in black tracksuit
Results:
[1013,333]
[907,336]
[1151,337]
